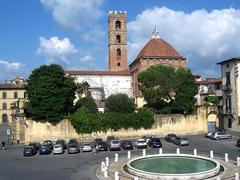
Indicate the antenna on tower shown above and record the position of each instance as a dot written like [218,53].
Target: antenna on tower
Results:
[155,33]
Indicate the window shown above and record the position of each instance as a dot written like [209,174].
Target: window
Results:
[4,118]
[227,65]
[118,39]
[118,24]
[118,64]
[4,106]
[228,105]
[229,123]
[15,95]
[119,52]
[4,95]
[25,95]
[228,80]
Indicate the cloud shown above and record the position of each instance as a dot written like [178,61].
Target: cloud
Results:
[203,37]
[74,14]
[56,50]
[87,59]
[10,70]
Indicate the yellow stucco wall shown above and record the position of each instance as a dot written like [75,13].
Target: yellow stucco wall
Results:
[164,124]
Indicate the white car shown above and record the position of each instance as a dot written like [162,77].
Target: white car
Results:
[87,147]
[220,135]
[140,143]
[58,149]
[114,145]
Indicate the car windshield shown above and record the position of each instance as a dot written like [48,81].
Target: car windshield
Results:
[127,142]
[184,139]
[57,146]
[60,142]
[115,142]
[156,140]
[87,144]
[141,141]
[72,145]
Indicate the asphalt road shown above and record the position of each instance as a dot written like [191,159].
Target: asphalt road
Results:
[13,166]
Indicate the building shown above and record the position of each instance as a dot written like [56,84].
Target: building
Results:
[12,100]
[156,52]
[231,93]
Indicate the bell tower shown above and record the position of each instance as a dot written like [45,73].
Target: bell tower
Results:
[117,41]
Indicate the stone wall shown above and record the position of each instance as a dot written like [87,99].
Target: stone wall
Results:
[164,124]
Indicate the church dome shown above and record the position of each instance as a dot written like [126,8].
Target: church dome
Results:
[157,47]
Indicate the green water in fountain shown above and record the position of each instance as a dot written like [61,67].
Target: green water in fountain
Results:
[173,165]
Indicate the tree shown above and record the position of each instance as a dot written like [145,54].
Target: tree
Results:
[50,93]
[87,103]
[82,89]
[167,90]
[119,103]
[212,100]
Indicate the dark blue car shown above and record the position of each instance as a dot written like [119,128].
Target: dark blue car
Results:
[44,149]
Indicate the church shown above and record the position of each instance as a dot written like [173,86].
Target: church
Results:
[121,77]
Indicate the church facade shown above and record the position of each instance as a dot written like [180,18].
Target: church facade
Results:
[121,77]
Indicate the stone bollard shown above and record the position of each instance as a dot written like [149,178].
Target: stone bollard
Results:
[105,173]
[226,157]
[129,155]
[102,166]
[238,161]
[211,154]
[218,178]
[135,178]
[144,152]
[107,161]
[195,152]
[116,177]
[178,151]
[236,176]
[160,151]
[116,157]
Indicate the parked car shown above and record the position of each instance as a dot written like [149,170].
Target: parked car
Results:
[45,149]
[126,144]
[49,143]
[170,137]
[238,143]
[181,141]
[110,138]
[62,142]
[146,138]
[141,143]
[220,135]
[96,141]
[209,133]
[72,141]
[114,145]
[58,149]
[35,145]
[87,147]
[73,148]
[102,146]
[29,151]
[155,143]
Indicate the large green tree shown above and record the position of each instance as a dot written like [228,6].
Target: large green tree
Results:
[167,90]
[119,103]
[50,93]
[86,104]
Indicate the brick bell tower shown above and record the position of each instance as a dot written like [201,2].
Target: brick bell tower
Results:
[117,41]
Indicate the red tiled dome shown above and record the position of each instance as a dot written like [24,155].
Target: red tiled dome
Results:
[157,47]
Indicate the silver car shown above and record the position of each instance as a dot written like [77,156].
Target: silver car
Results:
[114,145]
[140,143]
[87,147]
[181,141]
[58,149]
[220,135]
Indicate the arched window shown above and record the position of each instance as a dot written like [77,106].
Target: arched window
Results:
[4,95]
[118,24]
[15,95]
[4,118]
[4,106]
[119,52]
[118,64]
[118,39]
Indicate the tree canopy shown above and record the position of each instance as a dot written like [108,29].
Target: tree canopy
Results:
[119,103]
[167,90]
[50,93]
[86,104]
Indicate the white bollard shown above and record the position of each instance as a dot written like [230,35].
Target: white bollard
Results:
[226,157]
[129,155]
[160,151]
[107,161]
[116,177]
[211,154]
[195,152]
[105,173]
[178,151]
[236,176]
[116,157]
[144,152]
[238,161]
[102,166]
[135,178]
[218,178]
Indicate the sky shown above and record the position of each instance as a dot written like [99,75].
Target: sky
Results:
[73,33]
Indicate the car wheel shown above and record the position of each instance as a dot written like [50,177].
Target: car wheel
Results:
[217,138]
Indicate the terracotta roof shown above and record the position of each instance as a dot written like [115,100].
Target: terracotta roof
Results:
[116,73]
[11,86]
[158,48]
[210,81]
[229,60]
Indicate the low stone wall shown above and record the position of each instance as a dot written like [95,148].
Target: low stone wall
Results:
[164,124]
